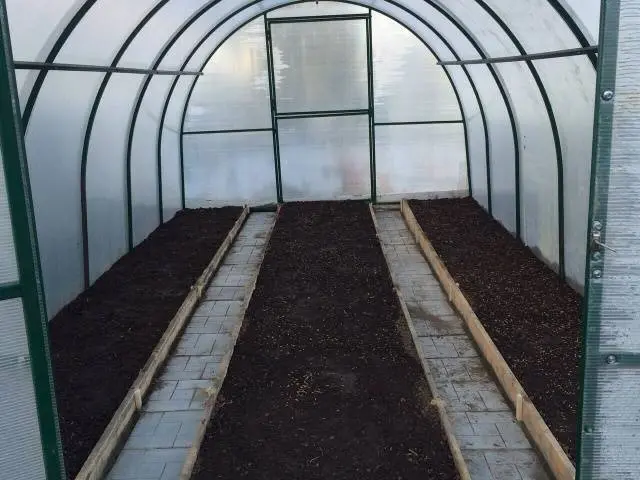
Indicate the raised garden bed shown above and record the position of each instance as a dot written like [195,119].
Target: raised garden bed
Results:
[532,316]
[324,381]
[102,339]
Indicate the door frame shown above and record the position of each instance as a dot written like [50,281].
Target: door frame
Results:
[276,116]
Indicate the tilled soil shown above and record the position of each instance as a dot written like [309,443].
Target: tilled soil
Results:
[532,316]
[102,339]
[324,381]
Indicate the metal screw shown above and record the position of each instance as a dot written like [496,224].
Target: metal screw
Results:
[597,225]
[588,429]
[611,359]
[597,273]
[607,95]
[597,256]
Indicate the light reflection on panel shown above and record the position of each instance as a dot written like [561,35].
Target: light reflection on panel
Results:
[234,92]
[420,161]
[320,66]
[408,85]
[317,8]
[20,448]
[54,147]
[229,169]
[325,158]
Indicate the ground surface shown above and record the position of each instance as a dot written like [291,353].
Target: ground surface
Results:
[102,339]
[324,381]
[531,315]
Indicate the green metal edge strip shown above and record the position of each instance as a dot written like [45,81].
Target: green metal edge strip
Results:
[317,18]
[602,141]
[272,106]
[372,118]
[87,140]
[554,130]
[26,247]
[403,8]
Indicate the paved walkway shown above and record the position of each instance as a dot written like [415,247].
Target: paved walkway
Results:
[158,444]
[491,440]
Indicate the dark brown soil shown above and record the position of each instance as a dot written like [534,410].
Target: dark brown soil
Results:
[532,316]
[102,339]
[324,382]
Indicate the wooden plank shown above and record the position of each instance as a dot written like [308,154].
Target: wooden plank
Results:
[192,455]
[544,440]
[454,446]
[102,454]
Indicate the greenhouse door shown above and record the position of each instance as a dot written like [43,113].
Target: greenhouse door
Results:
[321,83]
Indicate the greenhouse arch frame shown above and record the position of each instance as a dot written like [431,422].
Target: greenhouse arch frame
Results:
[526,93]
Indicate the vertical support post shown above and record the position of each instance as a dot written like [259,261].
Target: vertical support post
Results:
[372,127]
[26,248]
[274,110]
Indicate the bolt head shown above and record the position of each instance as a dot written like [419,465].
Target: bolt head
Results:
[597,225]
[597,273]
[611,359]
[607,95]
[588,429]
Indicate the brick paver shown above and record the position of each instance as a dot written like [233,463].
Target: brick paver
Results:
[492,442]
[158,444]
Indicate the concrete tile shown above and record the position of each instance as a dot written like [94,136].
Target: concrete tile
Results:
[163,437]
[183,416]
[183,394]
[505,472]
[172,375]
[460,424]
[512,435]
[481,442]
[494,400]
[533,472]
[176,364]
[172,470]
[163,390]
[204,309]
[490,417]
[146,423]
[165,405]
[477,465]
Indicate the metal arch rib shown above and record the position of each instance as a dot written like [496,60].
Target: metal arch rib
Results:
[87,137]
[403,8]
[554,129]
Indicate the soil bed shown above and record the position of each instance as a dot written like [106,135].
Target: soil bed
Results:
[530,313]
[102,339]
[324,381]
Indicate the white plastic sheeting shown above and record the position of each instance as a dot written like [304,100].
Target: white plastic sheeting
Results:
[94,30]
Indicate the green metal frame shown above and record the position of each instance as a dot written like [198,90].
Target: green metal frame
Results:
[26,247]
[372,112]
[592,359]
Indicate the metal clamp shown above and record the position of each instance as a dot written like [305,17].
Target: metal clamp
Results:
[597,244]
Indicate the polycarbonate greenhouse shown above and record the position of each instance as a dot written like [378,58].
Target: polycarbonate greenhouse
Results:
[119,114]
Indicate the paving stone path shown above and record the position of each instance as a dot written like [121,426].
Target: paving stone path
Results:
[492,442]
[158,444]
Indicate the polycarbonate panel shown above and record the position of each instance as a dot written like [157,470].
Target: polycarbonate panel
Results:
[154,35]
[408,83]
[144,160]
[22,77]
[35,25]
[570,84]
[8,263]
[320,66]
[325,158]
[234,92]
[103,29]
[307,9]
[20,447]
[420,161]
[54,145]
[171,158]
[106,175]
[586,13]
[611,405]
[229,169]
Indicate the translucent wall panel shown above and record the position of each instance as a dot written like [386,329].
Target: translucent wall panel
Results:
[320,66]
[420,161]
[99,35]
[317,8]
[35,25]
[144,160]
[8,262]
[587,13]
[570,84]
[54,144]
[229,169]
[150,40]
[20,447]
[325,158]
[234,92]
[408,84]
[106,175]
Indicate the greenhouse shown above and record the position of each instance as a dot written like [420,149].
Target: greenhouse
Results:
[273,239]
